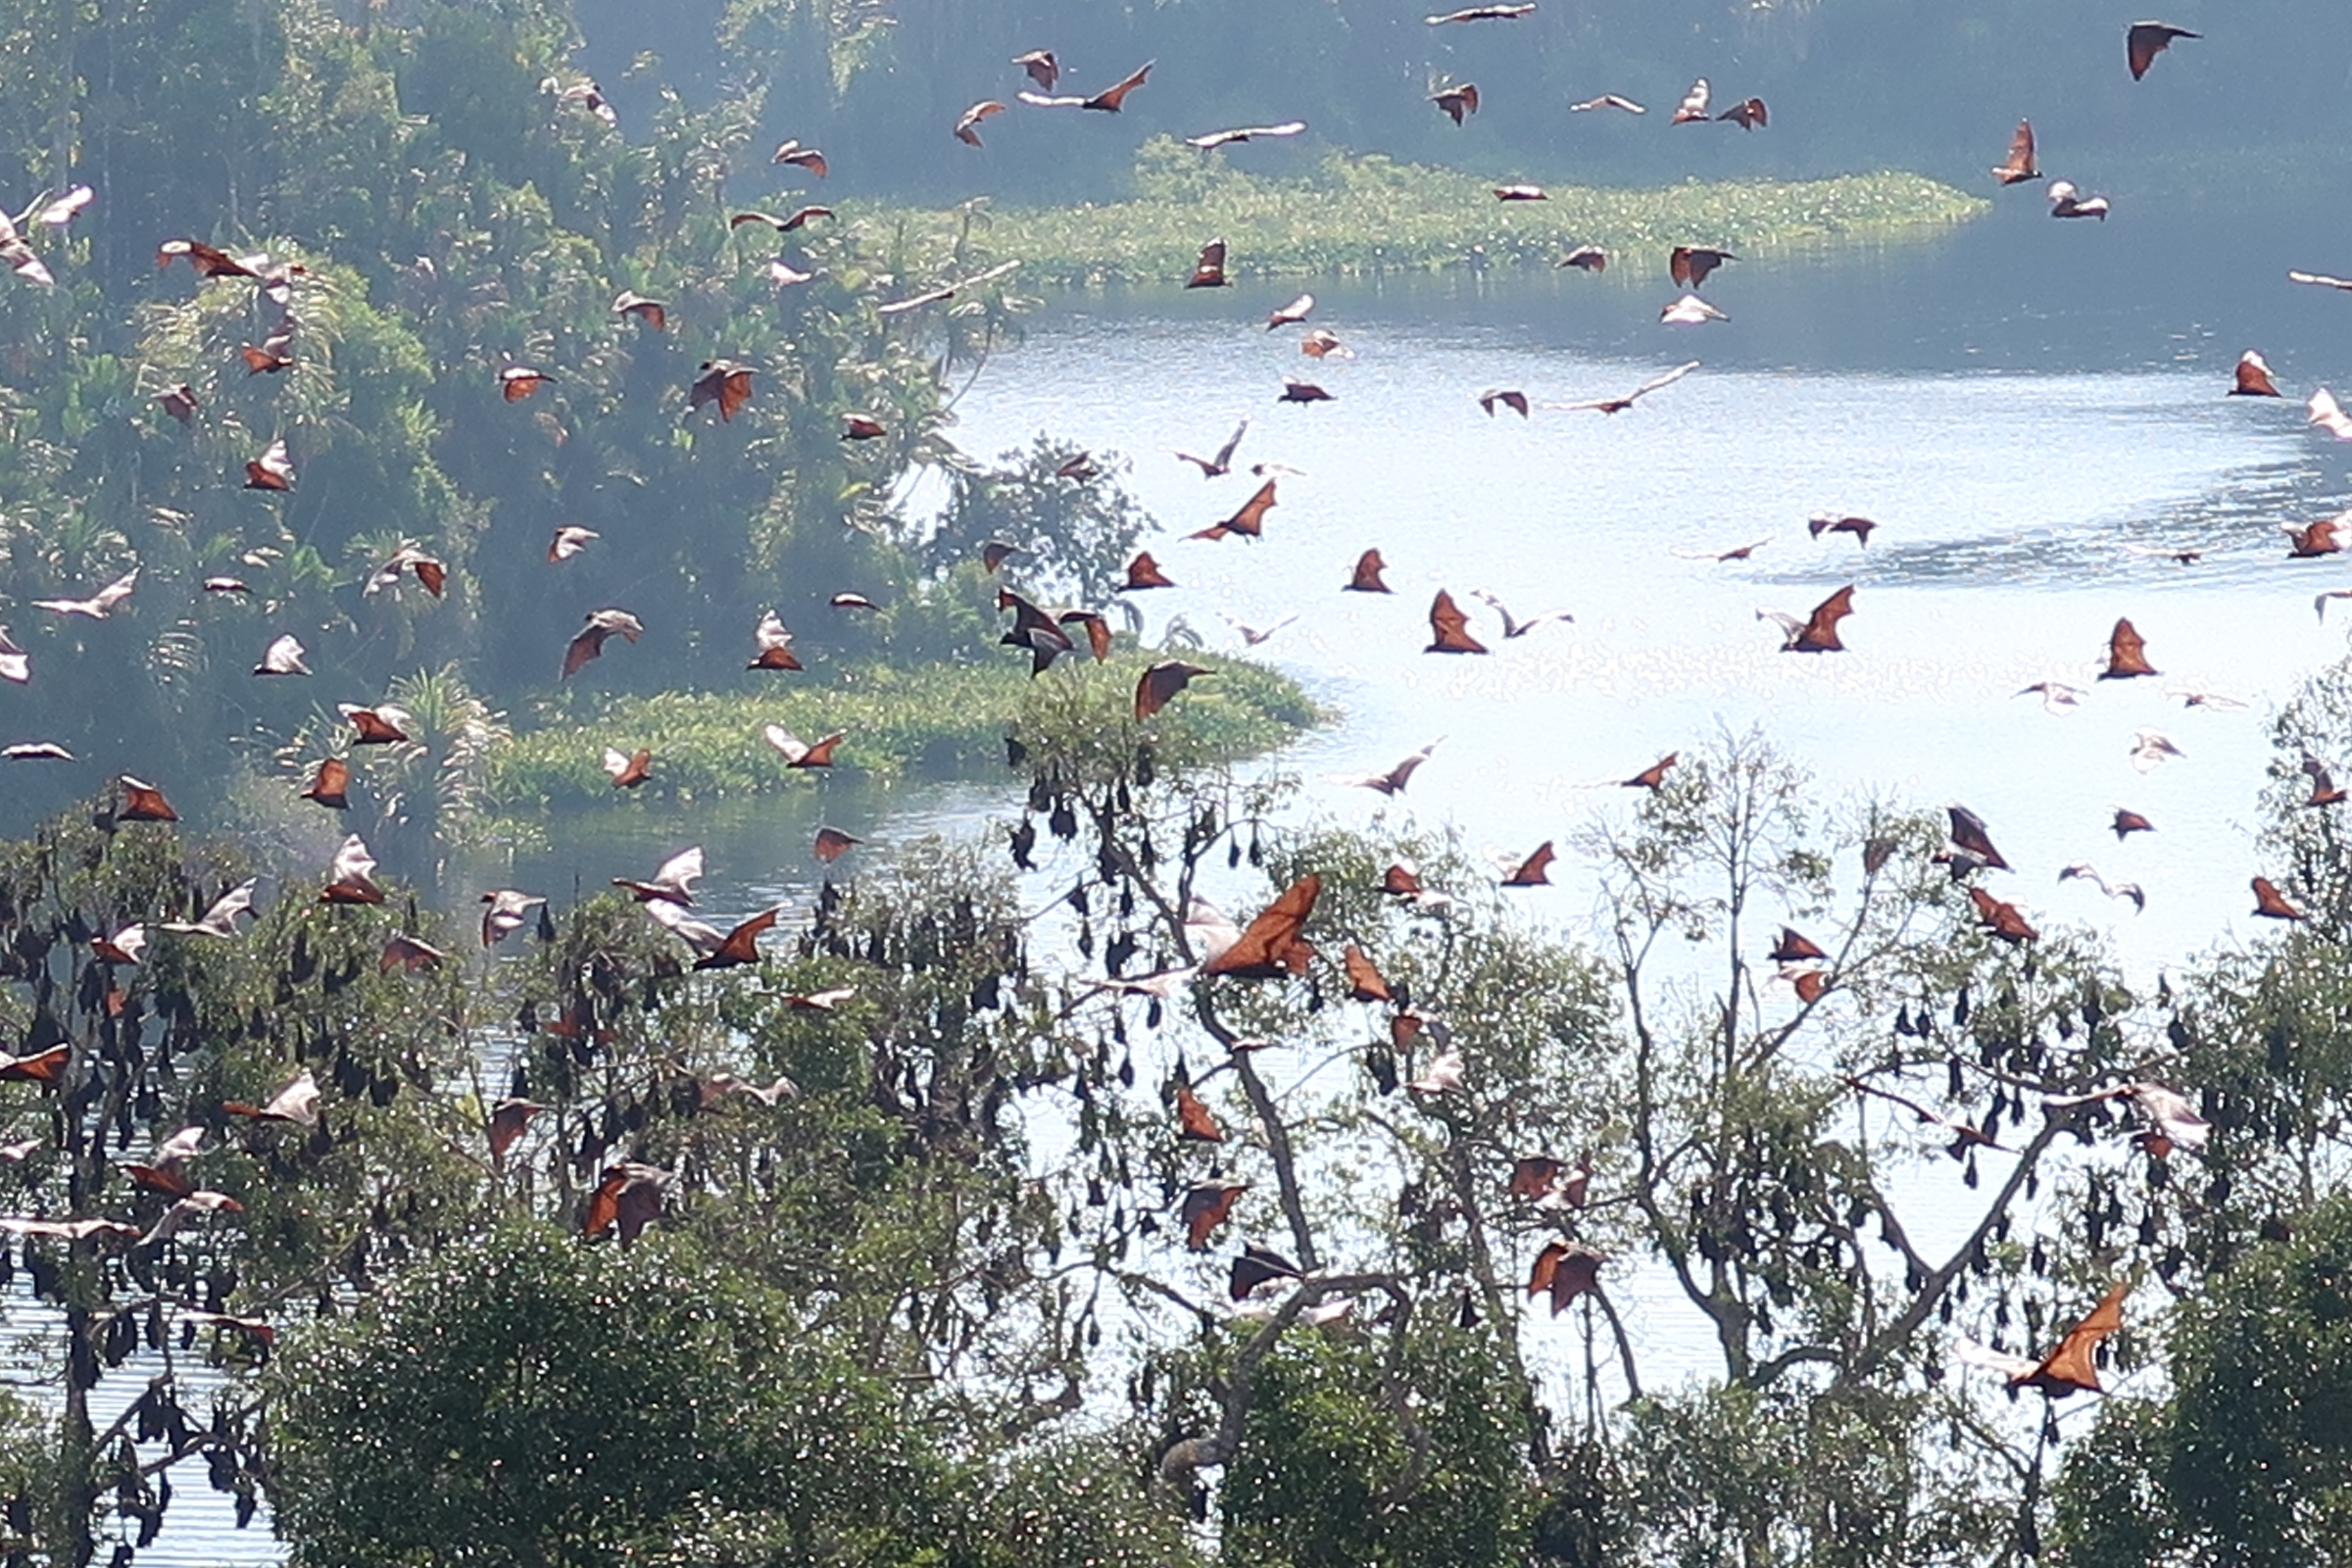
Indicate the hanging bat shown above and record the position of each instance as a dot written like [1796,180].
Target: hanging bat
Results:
[1108,100]
[2253,378]
[589,642]
[723,382]
[1270,947]
[2019,167]
[804,754]
[1365,982]
[1449,628]
[1160,682]
[1249,521]
[2143,41]
[1457,101]
[1220,138]
[1193,1123]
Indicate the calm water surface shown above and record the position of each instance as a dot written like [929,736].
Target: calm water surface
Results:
[2012,404]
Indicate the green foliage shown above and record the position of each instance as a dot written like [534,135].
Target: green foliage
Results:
[1370,214]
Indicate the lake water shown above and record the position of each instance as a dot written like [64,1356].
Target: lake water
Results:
[2013,403]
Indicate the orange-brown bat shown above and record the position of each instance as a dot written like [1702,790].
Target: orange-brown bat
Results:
[331,784]
[630,769]
[1690,265]
[1391,782]
[1366,577]
[1365,982]
[1449,628]
[1818,632]
[832,844]
[1456,102]
[2001,919]
[508,1119]
[268,359]
[1143,572]
[1792,947]
[1653,776]
[863,427]
[1205,1207]
[180,403]
[2127,654]
[407,955]
[271,470]
[431,574]
[1249,521]
[518,381]
[739,947]
[2312,539]
[672,881]
[653,313]
[1270,946]
[1222,463]
[2143,41]
[1531,871]
[589,642]
[144,803]
[352,877]
[1096,629]
[625,1201]
[2020,166]
[804,754]
[206,262]
[2128,822]
[967,125]
[723,382]
[126,945]
[2324,791]
[1566,1272]
[1193,1123]
[2254,377]
[774,643]
[1747,115]
[2071,1367]
[1031,628]
[2272,904]
[382,725]
[1209,271]
[296,1103]
[41,1067]
[1108,100]
[1162,681]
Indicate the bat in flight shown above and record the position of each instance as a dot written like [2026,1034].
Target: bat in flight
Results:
[2143,41]
[1817,633]
[1110,100]
[1270,947]
[1449,628]
[1618,405]
[2071,1368]
[1218,466]
[1458,102]
[1220,138]
[2019,167]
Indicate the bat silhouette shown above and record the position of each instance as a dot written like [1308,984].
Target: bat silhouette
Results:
[1823,523]
[2272,904]
[1690,265]
[2254,377]
[1366,579]
[1653,776]
[2127,823]
[1108,100]
[1516,400]
[1512,627]
[1817,633]
[408,955]
[1041,66]
[2020,166]
[589,642]
[2127,654]
[804,754]
[800,157]
[723,382]
[1449,628]
[861,427]
[967,125]
[946,291]
[509,911]
[296,1103]
[2143,41]
[1302,392]
[799,217]
[518,381]
[41,1067]
[653,313]
[729,951]
[2057,697]
[1256,1267]
[271,470]
[1457,101]
[179,401]
[1618,405]
[672,882]
[2150,749]
[144,803]
[1270,947]
[1193,1123]
[1969,837]
[1735,553]
[1097,631]
[1220,138]
[1586,258]
[1391,782]
[1531,871]
[331,784]
[627,771]
[1747,115]
[774,644]
[1205,1207]
[220,918]
[2001,919]
[1218,466]
[271,356]
[1143,572]
[1249,521]
[508,1119]
[1161,681]
[2071,1367]
[2083,870]
[1033,629]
